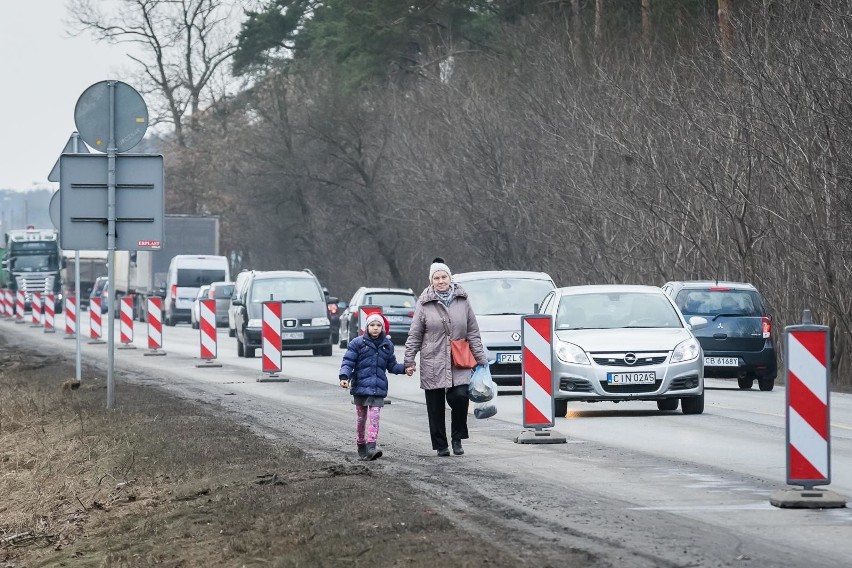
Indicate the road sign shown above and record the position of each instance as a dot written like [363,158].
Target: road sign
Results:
[139,202]
[92,115]
[73,146]
[53,210]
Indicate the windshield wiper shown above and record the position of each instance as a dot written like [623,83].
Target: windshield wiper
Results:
[296,301]
[726,315]
[502,314]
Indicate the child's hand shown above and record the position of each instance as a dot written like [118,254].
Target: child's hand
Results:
[409,370]
[344,383]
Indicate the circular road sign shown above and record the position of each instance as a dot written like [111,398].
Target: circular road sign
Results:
[91,115]
[53,210]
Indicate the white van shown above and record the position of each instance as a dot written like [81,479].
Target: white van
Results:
[188,273]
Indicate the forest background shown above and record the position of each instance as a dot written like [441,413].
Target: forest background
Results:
[601,141]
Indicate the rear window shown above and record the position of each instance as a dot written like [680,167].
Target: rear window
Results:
[719,301]
[197,277]
[222,292]
[390,300]
[286,289]
[506,296]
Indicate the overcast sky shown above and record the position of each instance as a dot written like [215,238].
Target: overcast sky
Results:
[42,74]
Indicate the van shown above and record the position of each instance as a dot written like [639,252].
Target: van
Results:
[187,273]
[499,298]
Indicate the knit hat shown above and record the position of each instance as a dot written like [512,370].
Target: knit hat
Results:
[376,316]
[439,265]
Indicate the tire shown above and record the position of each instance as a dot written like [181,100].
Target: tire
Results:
[766,384]
[241,351]
[745,383]
[692,404]
[560,408]
[667,404]
[322,351]
[194,325]
[248,352]
[232,332]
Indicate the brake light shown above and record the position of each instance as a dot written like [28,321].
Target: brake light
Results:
[767,327]
[410,314]
[211,295]
[174,291]
[719,289]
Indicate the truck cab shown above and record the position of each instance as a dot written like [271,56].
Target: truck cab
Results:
[32,263]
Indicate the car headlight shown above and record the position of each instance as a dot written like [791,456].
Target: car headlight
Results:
[570,353]
[254,323]
[686,351]
[319,322]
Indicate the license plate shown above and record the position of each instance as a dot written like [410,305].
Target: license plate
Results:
[721,362]
[395,319]
[648,378]
[293,335]
[509,357]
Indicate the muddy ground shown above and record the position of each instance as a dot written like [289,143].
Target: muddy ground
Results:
[168,482]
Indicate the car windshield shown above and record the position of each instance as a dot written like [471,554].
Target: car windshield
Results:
[505,296]
[719,301]
[615,311]
[192,277]
[294,290]
[389,299]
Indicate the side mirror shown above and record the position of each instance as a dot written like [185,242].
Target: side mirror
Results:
[697,322]
[237,302]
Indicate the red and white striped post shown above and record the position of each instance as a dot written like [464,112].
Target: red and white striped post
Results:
[126,324]
[4,309]
[35,310]
[155,326]
[70,317]
[95,330]
[19,307]
[271,343]
[537,381]
[808,374]
[207,332]
[49,314]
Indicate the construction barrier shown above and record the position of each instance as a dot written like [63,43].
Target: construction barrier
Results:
[35,311]
[207,332]
[155,326]
[4,310]
[19,307]
[537,381]
[95,321]
[49,314]
[271,342]
[126,324]
[70,317]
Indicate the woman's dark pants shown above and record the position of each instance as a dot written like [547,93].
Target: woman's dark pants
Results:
[456,397]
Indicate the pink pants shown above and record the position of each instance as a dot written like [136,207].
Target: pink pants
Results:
[372,433]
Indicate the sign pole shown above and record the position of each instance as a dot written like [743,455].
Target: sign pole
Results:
[78,363]
[111,151]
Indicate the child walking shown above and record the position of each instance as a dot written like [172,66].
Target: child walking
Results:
[364,368]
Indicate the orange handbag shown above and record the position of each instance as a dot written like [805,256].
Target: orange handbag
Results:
[462,356]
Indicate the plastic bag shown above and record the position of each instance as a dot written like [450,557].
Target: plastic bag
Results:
[482,387]
[485,409]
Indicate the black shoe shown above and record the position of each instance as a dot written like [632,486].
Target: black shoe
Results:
[373,452]
[457,448]
[444,452]
[362,451]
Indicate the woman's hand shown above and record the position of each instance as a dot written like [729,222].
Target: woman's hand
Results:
[410,370]
[344,383]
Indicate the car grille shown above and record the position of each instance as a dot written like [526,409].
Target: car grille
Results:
[506,370]
[683,383]
[619,389]
[617,359]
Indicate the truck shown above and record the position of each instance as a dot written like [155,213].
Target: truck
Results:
[92,265]
[32,264]
[142,274]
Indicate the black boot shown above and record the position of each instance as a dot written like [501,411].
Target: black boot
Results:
[373,452]
[444,452]
[457,447]
[362,451]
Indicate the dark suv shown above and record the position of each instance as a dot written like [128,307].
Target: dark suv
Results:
[737,342]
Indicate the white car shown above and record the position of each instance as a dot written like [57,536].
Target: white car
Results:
[195,310]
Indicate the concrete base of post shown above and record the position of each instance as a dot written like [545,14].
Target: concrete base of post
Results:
[540,437]
[154,353]
[209,363]
[807,499]
[272,378]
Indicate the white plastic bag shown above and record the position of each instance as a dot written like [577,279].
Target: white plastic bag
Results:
[482,387]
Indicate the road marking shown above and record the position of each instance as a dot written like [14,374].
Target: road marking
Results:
[776,415]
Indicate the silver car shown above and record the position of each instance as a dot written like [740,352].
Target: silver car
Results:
[617,343]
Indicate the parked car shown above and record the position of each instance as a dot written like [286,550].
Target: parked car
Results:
[195,310]
[99,292]
[304,318]
[738,341]
[187,273]
[499,298]
[397,305]
[618,343]
[233,309]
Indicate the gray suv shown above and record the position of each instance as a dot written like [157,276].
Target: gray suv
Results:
[499,298]
[304,316]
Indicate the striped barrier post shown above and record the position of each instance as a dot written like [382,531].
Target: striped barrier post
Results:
[49,314]
[10,304]
[271,343]
[808,375]
[35,310]
[95,322]
[126,324]
[537,381]
[4,310]
[155,326]
[70,317]
[19,306]
[207,332]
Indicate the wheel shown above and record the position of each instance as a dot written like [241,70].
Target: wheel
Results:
[322,351]
[745,383]
[241,352]
[667,404]
[232,332]
[194,325]
[249,352]
[692,404]
[766,384]
[560,408]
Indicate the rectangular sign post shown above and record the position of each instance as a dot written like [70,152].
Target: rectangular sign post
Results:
[537,381]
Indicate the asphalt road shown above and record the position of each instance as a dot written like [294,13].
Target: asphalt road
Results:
[633,486]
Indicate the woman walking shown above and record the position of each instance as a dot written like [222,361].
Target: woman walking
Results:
[443,313]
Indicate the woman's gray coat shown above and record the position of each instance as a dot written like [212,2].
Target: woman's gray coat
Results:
[429,337]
